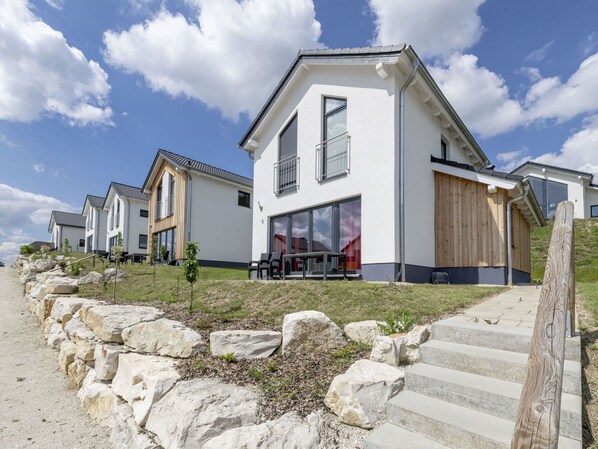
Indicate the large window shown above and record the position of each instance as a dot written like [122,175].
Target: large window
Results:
[334,227]
[171,196]
[286,169]
[167,241]
[549,194]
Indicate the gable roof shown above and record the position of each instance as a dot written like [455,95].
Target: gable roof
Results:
[94,201]
[590,176]
[388,53]
[66,219]
[127,191]
[185,162]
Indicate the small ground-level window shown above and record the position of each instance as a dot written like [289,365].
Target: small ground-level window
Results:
[594,211]
[244,199]
[143,241]
[82,243]
[143,213]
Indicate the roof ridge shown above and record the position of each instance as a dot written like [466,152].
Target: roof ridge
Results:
[126,185]
[203,163]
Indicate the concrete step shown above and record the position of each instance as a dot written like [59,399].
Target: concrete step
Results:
[454,426]
[492,396]
[507,338]
[389,436]
[495,363]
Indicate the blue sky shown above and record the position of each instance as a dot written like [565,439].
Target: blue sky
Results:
[90,90]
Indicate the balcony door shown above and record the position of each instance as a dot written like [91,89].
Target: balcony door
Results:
[287,157]
[334,131]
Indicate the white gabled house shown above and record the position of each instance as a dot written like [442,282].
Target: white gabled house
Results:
[555,184]
[194,202]
[67,225]
[357,150]
[127,211]
[95,224]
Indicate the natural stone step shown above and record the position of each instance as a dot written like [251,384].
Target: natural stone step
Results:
[455,426]
[507,338]
[492,396]
[496,363]
[389,436]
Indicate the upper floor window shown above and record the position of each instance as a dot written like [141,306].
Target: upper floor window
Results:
[117,213]
[159,202]
[444,149]
[143,213]
[332,155]
[171,196]
[287,168]
[244,199]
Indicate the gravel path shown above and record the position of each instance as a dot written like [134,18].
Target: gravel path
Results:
[37,409]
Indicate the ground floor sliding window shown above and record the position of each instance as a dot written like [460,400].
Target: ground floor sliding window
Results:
[334,227]
[167,240]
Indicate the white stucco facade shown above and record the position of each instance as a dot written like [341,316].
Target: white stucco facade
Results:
[580,190]
[372,120]
[124,215]
[74,235]
[95,227]
[219,224]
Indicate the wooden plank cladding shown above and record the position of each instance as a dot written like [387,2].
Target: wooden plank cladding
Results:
[471,226]
[177,219]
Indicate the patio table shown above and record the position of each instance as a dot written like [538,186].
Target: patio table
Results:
[325,255]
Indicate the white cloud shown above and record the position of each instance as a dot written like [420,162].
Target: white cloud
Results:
[6,141]
[579,150]
[40,74]
[490,110]
[510,155]
[432,27]
[540,54]
[532,73]
[10,242]
[513,159]
[57,4]
[21,208]
[229,56]
[38,168]
[590,43]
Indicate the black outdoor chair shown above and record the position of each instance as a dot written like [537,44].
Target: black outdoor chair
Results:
[275,265]
[259,265]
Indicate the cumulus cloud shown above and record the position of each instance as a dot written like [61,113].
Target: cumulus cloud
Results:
[491,110]
[590,43]
[21,208]
[10,242]
[229,55]
[40,74]
[57,4]
[456,25]
[38,168]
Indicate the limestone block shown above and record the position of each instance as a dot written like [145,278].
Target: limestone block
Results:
[310,332]
[164,337]
[108,321]
[245,344]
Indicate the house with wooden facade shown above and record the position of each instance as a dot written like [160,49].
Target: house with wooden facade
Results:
[127,211]
[95,223]
[190,201]
[67,225]
[359,152]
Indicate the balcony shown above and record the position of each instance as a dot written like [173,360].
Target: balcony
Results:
[286,175]
[165,208]
[333,157]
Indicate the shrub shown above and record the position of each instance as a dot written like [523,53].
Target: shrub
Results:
[396,325]
[75,269]
[26,250]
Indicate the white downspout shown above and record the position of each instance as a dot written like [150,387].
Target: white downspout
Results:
[128,223]
[402,168]
[510,237]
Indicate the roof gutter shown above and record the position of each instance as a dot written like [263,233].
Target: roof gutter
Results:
[408,81]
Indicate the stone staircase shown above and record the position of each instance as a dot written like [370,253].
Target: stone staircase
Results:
[465,391]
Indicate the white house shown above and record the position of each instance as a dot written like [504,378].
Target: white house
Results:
[194,202]
[127,211]
[555,184]
[354,152]
[67,225]
[95,224]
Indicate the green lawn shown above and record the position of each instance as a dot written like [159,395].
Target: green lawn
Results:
[227,295]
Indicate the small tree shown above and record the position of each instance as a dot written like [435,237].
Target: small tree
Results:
[66,247]
[26,250]
[191,267]
[117,252]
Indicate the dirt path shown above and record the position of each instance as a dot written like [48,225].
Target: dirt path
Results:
[37,409]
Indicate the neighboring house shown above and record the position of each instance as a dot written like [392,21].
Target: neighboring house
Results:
[127,211]
[95,224]
[555,184]
[67,225]
[194,202]
[328,152]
